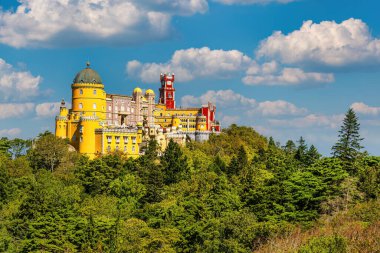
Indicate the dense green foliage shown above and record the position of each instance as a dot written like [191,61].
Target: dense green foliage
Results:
[229,194]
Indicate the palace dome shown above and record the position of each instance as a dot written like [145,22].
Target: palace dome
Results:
[149,92]
[137,90]
[88,75]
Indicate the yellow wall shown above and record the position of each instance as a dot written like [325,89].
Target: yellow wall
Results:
[87,136]
[85,96]
[168,118]
[61,128]
[109,139]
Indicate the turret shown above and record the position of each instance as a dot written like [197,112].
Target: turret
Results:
[167,91]
[88,95]
[87,126]
[61,121]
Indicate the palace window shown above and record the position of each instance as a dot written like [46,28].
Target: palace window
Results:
[134,140]
[80,106]
[117,139]
[125,139]
[109,139]
[133,149]
[81,139]
[125,148]
[94,92]
[117,148]
[94,106]
[122,108]
[81,91]
[109,148]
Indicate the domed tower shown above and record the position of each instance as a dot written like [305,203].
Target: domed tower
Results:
[150,96]
[137,97]
[88,95]
[61,121]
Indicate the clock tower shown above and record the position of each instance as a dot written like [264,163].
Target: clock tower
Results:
[167,91]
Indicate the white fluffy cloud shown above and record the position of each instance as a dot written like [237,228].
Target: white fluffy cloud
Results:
[279,107]
[311,120]
[47,109]
[228,99]
[270,73]
[10,132]
[17,85]
[15,110]
[190,63]
[327,43]
[223,98]
[230,2]
[362,108]
[41,23]
[62,22]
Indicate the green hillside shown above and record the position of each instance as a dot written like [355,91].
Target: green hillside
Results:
[238,192]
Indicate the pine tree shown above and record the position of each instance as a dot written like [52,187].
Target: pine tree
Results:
[301,150]
[174,163]
[312,155]
[271,143]
[289,147]
[348,146]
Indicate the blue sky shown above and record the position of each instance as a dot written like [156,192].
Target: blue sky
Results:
[287,68]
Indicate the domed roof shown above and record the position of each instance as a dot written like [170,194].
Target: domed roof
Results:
[88,75]
[137,90]
[149,92]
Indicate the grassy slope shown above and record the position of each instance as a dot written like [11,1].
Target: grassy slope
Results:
[354,230]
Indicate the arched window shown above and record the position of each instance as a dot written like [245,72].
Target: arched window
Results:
[94,92]
[80,106]
[81,91]
[94,106]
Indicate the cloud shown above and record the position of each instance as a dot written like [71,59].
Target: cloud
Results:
[270,73]
[10,132]
[17,85]
[192,63]
[228,99]
[362,108]
[279,107]
[222,98]
[311,120]
[189,64]
[40,23]
[47,109]
[230,2]
[327,43]
[15,110]
[229,119]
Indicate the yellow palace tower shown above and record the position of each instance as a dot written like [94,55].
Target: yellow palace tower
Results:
[85,125]
[87,114]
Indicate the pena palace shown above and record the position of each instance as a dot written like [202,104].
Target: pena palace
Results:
[99,123]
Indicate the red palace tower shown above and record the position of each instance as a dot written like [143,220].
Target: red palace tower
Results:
[167,91]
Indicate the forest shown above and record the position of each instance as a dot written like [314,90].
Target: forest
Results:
[237,192]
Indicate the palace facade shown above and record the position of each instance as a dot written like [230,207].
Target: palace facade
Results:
[100,123]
